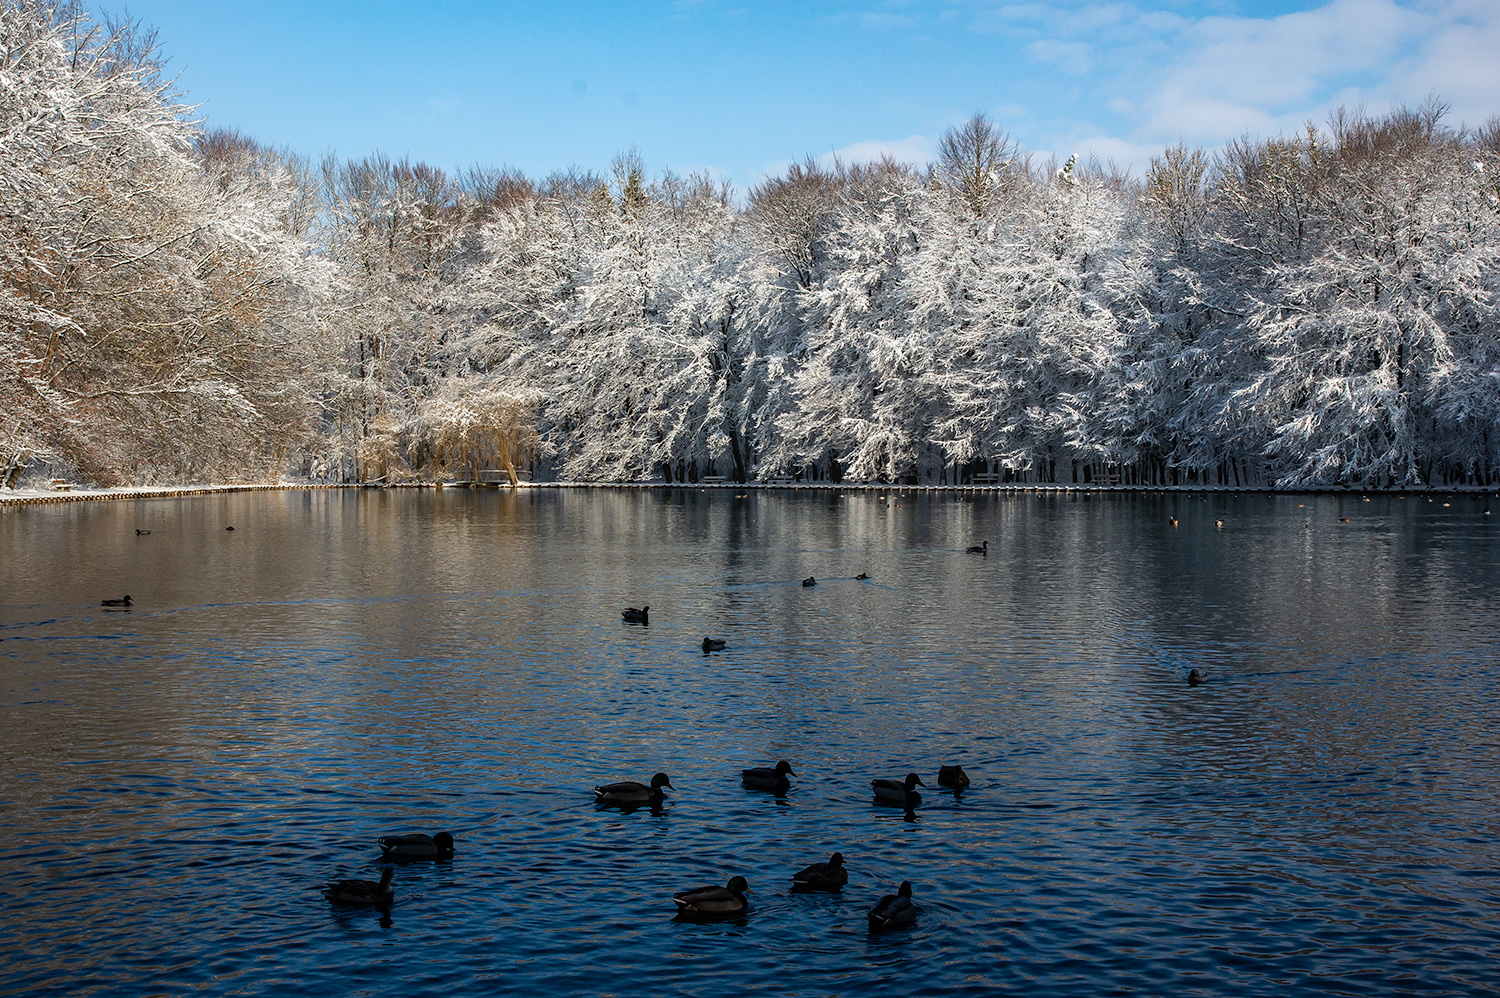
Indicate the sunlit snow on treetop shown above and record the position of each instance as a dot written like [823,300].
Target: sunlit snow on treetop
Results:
[181,304]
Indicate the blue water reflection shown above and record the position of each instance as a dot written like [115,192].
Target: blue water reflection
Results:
[178,781]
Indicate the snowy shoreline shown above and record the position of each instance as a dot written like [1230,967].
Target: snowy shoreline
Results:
[21,497]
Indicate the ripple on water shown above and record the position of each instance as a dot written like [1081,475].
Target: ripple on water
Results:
[181,781]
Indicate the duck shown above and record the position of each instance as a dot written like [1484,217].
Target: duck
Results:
[1343,519]
[952,776]
[894,911]
[711,903]
[983,549]
[809,581]
[631,793]
[766,778]
[633,616]
[122,601]
[828,876]
[439,846]
[1196,677]
[139,532]
[1172,521]
[862,576]
[362,892]
[228,528]
[898,791]
[712,644]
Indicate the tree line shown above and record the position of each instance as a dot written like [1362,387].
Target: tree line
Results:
[182,303]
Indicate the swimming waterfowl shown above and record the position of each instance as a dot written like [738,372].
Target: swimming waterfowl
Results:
[1196,677]
[809,581]
[898,791]
[633,616]
[829,876]
[894,911]
[983,549]
[139,532]
[439,846]
[712,644]
[952,776]
[124,601]
[228,528]
[766,778]
[1173,521]
[362,892]
[708,903]
[861,577]
[631,793]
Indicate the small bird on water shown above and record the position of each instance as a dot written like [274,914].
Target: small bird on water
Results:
[1196,677]
[765,778]
[631,793]
[439,846]
[712,644]
[809,581]
[362,892]
[631,615]
[901,792]
[141,533]
[829,876]
[983,549]
[952,776]
[712,903]
[862,576]
[123,601]
[894,911]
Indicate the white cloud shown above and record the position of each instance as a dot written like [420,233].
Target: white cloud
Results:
[916,150]
[1210,78]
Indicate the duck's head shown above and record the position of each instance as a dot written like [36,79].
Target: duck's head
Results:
[661,780]
[835,861]
[913,780]
[905,889]
[738,885]
[784,768]
[443,841]
[385,878]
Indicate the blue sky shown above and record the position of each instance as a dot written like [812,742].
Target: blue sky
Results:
[741,89]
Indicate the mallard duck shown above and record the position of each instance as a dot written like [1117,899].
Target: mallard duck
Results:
[829,876]
[898,791]
[862,576]
[706,903]
[766,778]
[712,644]
[983,549]
[362,892]
[140,532]
[439,846]
[632,793]
[952,776]
[1196,677]
[633,616]
[894,911]
[809,581]
[123,601]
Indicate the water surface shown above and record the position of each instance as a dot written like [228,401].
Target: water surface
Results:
[177,781]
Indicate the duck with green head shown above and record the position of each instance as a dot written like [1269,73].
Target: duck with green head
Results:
[711,903]
[631,794]
[771,780]
[900,792]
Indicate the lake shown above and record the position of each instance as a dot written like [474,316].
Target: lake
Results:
[179,780]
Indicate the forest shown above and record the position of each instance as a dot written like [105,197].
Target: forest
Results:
[180,303]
